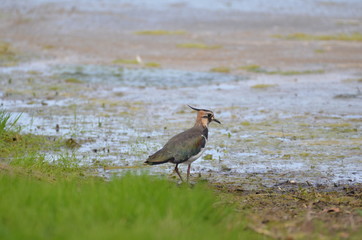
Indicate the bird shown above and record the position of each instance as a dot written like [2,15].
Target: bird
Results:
[186,146]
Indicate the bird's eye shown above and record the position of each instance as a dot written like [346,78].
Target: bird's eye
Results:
[209,115]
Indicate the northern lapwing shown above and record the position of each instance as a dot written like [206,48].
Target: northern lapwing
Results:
[187,146]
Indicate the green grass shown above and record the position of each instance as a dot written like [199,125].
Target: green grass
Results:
[73,80]
[252,68]
[7,122]
[308,37]
[8,56]
[319,50]
[28,151]
[245,123]
[220,69]
[198,46]
[258,69]
[5,47]
[56,200]
[125,61]
[131,207]
[295,72]
[152,64]
[159,32]
[263,86]
[351,80]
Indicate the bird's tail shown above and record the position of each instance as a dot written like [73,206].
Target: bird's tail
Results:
[158,158]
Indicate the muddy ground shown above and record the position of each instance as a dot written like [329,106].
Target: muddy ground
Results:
[291,109]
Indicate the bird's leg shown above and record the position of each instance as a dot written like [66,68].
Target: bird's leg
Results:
[176,170]
[188,172]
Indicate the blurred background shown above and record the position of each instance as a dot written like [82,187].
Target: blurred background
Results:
[170,33]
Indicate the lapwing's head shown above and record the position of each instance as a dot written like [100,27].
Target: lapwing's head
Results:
[204,117]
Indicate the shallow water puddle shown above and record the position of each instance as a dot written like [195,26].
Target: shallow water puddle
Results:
[142,77]
[119,116]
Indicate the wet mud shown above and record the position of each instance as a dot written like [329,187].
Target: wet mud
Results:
[117,95]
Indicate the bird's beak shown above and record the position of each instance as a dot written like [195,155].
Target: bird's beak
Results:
[215,120]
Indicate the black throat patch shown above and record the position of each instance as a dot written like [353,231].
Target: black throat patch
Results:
[205,132]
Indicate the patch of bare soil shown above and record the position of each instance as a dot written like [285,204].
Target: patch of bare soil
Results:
[301,213]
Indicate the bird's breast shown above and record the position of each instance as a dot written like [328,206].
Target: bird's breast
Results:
[193,158]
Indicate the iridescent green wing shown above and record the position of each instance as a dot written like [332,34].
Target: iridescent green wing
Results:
[186,146]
